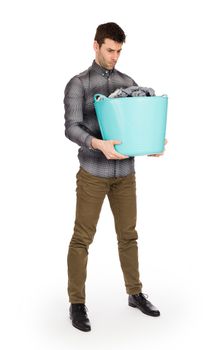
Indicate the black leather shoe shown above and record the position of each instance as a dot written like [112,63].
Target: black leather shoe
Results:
[140,301]
[79,317]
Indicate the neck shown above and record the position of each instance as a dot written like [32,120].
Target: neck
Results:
[102,66]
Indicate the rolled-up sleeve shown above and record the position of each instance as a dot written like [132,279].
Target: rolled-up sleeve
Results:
[73,104]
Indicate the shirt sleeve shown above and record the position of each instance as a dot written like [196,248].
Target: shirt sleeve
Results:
[134,83]
[73,104]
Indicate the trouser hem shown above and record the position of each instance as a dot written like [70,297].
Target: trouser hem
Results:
[134,291]
[77,301]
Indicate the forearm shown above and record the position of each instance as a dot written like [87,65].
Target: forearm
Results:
[76,134]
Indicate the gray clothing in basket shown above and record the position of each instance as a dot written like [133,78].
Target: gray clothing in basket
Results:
[132,91]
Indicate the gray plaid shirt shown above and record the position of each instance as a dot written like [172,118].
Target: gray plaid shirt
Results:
[81,123]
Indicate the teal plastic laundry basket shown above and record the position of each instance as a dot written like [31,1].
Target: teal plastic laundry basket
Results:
[138,122]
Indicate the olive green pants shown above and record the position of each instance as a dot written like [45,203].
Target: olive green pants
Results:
[91,191]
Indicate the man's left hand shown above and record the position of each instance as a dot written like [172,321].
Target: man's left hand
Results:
[158,154]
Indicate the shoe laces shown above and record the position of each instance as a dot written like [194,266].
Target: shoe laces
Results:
[145,296]
[81,309]
[142,296]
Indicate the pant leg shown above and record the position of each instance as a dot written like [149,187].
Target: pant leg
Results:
[91,191]
[122,198]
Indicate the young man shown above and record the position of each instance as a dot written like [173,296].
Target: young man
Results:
[103,171]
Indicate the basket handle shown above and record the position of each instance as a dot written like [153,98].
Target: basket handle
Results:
[98,97]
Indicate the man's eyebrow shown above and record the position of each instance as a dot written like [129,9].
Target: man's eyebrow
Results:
[109,48]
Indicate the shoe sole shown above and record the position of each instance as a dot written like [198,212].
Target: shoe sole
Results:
[146,313]
[80,329]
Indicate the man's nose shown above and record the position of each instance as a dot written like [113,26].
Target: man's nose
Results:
[115,57]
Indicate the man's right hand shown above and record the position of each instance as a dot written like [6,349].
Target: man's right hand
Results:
[107,147]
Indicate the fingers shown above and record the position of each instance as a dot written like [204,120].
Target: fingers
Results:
[156,155]
[116,155]
[112,153]
[115,142]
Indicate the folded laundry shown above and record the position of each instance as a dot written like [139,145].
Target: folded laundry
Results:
[132,91]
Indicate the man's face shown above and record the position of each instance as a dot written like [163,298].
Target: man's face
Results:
[107,55]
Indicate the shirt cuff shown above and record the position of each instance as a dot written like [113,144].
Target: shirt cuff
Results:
[88,141]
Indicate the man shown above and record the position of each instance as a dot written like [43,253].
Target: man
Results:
[103,171]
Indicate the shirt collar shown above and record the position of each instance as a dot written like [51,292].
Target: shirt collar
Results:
[101,70]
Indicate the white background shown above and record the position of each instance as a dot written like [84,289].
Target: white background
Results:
[170,47]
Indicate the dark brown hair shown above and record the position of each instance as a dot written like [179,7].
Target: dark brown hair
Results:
[111,31]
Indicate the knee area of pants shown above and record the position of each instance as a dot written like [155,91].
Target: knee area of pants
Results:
[127,240]
[79,241]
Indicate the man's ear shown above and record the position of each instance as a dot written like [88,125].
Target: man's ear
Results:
[95,46]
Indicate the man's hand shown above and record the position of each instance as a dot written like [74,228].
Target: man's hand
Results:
[158,154]
[107,147]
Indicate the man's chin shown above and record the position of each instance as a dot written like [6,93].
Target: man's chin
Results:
[111,66]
